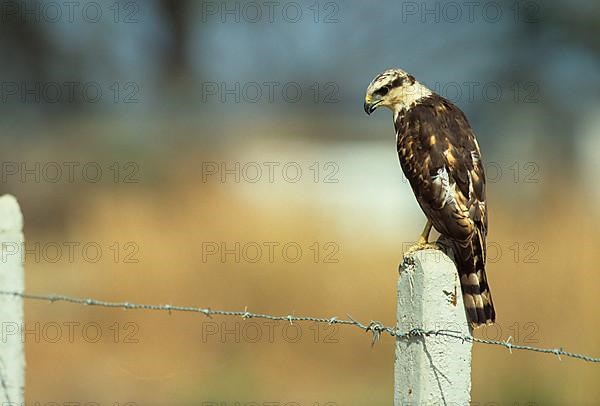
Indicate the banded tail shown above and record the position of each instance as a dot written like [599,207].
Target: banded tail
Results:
[470,260]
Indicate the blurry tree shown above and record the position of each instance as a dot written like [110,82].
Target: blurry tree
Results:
[176,61]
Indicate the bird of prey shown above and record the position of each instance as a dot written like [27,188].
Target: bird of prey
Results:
[441,159]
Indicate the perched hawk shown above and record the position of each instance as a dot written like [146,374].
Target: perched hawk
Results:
[440,157]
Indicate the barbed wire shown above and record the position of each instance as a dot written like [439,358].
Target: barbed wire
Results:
[374,327]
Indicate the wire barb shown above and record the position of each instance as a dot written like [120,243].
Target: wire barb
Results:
[374,327]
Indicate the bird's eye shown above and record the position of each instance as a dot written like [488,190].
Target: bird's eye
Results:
[382,91]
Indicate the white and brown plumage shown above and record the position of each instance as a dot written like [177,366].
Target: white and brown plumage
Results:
[440,157]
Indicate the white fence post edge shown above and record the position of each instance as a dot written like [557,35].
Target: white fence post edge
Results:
[433,370]
[12,278]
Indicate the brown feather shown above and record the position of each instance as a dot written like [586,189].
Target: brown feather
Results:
[441,159]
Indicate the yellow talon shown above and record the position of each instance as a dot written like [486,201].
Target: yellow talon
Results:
[423,241]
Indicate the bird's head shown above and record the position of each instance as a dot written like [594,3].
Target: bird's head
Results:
[394,89]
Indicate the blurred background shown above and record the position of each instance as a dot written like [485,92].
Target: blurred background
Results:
[216,154]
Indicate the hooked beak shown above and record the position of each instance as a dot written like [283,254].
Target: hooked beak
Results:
[370,106]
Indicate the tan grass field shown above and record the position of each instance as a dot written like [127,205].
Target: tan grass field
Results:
[542,270]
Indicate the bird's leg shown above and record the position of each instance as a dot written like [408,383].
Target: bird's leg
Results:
[423,241]
[424,237]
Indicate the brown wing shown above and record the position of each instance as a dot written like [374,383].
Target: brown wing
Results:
[441,159]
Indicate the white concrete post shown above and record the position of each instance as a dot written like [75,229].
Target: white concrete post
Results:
[12,357]
[432,370]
